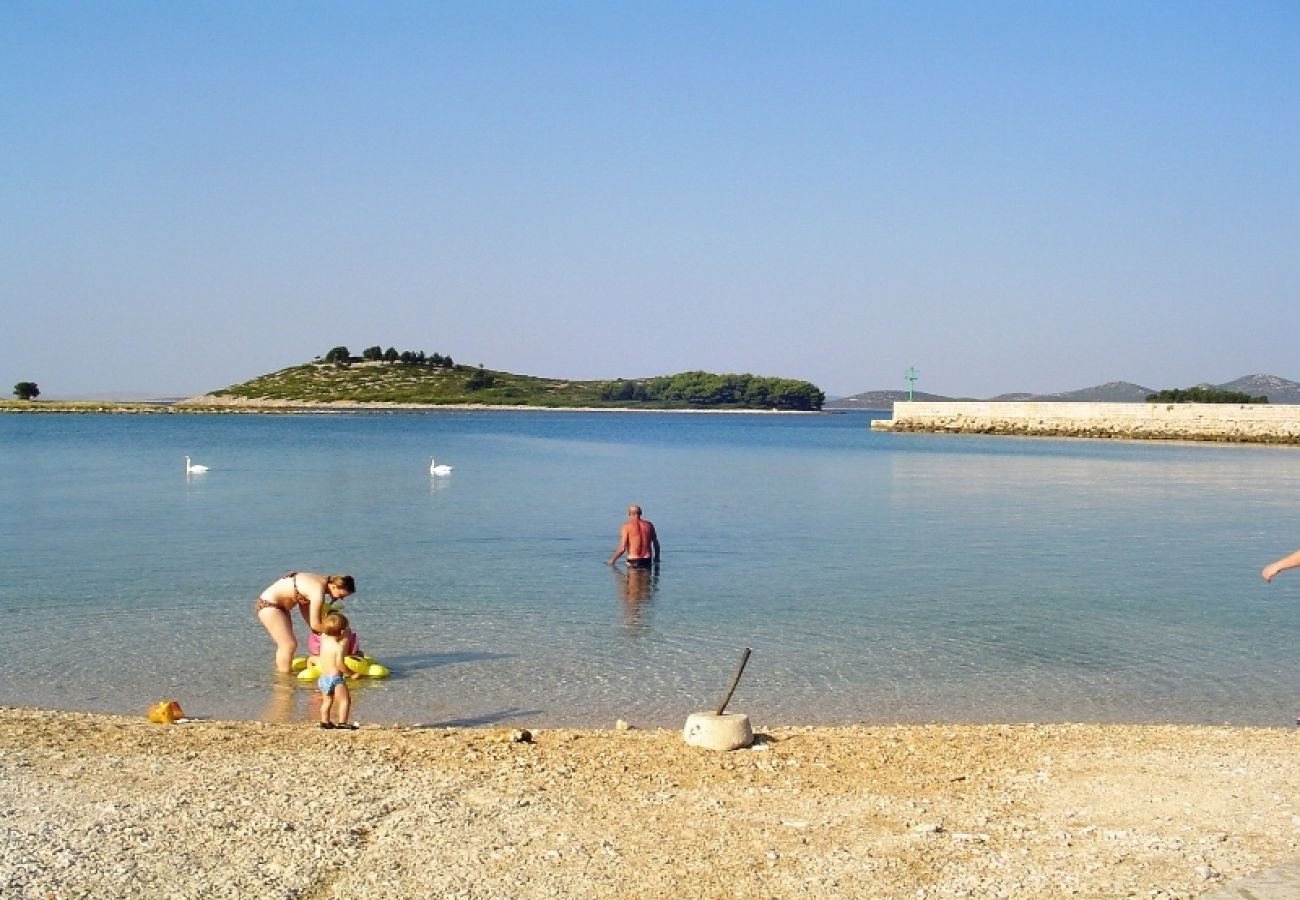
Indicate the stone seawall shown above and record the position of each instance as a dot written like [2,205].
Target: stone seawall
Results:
[1245,423]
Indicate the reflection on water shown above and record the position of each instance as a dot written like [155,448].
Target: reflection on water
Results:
[636,589]
[287,702]
[438,484]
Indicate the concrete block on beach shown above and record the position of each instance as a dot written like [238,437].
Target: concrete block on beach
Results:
[729,731]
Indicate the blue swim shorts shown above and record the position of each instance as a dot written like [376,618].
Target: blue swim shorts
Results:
[327,683]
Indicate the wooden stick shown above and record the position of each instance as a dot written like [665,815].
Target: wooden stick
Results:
[735,681]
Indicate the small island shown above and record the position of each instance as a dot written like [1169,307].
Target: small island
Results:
[417,378]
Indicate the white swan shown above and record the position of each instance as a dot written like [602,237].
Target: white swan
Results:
[436,468]
[193,467]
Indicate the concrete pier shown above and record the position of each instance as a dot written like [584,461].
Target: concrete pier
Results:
[1242,423]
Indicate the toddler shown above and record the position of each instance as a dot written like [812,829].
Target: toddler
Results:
[334,671]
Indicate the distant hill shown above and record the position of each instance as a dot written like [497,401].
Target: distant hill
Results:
[1277,390]
[1110,392]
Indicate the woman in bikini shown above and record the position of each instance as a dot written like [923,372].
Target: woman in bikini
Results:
[305,590]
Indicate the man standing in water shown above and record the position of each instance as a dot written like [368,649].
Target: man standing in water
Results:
[638,540]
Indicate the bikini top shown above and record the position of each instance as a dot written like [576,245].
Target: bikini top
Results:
[298,596]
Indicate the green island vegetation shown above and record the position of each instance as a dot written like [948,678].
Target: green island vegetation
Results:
[26,390]
[1203,394]
[389,376]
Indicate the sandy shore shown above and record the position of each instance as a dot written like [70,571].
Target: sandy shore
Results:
[102,806]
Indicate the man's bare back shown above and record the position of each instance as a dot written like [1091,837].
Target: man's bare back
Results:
[638,539]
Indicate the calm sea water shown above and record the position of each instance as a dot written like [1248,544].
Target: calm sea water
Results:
[877,577]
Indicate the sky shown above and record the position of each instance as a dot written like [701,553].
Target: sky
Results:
[1007,196]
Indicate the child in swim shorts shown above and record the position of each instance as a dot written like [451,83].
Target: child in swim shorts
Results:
[334,672]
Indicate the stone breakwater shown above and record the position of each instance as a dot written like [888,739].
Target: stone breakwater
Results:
[1244,423]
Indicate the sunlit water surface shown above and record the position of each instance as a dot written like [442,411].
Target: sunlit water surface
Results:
[877,577]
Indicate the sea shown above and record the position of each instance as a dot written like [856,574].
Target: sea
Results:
[875,577]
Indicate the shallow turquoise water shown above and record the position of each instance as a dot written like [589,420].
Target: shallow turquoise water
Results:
[877,577]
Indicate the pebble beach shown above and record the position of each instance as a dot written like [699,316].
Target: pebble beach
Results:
[115,806]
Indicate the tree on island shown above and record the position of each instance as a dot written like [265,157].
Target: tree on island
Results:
[623,390]
[1203,393]
[479,379]
[705,389]
[342,357]
[26,390]
[339,356]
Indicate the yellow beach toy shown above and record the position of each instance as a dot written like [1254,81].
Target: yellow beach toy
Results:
[165,712]
[364,666]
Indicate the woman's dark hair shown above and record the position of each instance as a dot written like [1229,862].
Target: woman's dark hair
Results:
[345,582]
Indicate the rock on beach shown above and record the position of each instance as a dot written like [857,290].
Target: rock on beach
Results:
[108,807]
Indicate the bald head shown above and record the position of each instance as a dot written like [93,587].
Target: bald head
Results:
[634,511]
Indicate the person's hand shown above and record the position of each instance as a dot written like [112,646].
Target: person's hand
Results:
[1269,571]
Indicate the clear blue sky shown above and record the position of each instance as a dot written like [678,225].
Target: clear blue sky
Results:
[1008,196]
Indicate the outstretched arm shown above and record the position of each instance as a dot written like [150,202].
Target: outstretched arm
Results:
[1286,562]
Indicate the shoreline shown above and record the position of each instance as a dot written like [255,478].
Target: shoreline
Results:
[113,806]
[206,405]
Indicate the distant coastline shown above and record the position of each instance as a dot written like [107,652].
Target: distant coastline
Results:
[1278,391]
[242,406]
